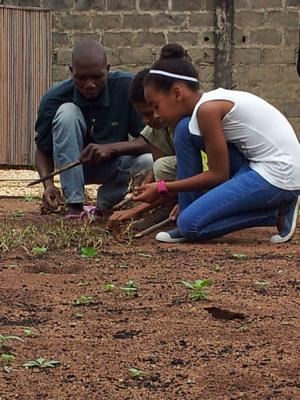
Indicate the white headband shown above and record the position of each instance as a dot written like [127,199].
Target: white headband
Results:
[171,75]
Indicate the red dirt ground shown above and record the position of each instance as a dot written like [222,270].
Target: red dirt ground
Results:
[241,344]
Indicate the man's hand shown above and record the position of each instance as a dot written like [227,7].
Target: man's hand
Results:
[148,193]
[52,198]
[96,153]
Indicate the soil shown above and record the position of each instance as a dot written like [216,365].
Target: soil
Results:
[241,343]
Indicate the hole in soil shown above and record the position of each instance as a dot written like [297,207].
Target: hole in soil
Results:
[53,269]
[226,315]
[125,334]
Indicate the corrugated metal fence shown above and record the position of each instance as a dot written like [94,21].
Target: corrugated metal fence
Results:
[25,74]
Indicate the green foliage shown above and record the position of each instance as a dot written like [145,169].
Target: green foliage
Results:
[42,363]
[39,250]
[130,288]
[28,332]
[109,287]
[7,357]
[197,288]
[262,285]
[84,300]
[136,373]
[4,340]
[239,256]
[88,252]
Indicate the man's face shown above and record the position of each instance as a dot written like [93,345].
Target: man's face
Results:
[147,113]
[89,77]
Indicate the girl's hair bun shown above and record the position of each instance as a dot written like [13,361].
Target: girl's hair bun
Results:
[173,51]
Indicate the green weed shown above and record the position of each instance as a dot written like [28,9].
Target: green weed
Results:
[239,256]
[42,363]
[197,288]
[136,373]
[131,288]
[40,250]
[5,340]
[88,252]
[84,300]
[109,287]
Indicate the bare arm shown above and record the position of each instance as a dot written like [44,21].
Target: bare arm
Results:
[97,153]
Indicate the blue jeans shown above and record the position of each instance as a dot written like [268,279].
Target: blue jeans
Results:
[246,200]
[69,132]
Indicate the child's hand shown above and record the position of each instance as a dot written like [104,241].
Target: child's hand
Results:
[174,213]
[147,193]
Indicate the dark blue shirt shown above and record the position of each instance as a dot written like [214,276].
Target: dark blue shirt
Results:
[110,117]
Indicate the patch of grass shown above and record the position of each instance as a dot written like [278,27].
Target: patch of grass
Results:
[39,250]
[5,340]
[239,256]
[130,288]
[136,373]
[109,287]
[88,252]
[197,288]
[261,285]
[42,363]
[84,300]
[54,234]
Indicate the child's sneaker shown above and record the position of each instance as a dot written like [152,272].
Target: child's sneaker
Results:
[173,236]
[290,223]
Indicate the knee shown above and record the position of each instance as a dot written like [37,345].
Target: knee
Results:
[165,168]
[185,226]
[68,114]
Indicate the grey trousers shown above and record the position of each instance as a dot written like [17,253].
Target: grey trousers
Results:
[69,130]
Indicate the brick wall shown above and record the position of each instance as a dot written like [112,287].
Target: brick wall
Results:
[259,36]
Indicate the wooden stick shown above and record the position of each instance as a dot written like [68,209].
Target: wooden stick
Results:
[125,201]
[56,172]
[153,228]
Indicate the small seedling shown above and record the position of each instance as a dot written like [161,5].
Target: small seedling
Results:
[42,363]
[239,256]
[79,315]
[28,332]
[88,252]
[262,285]
[145,255]
[7,357]
[83,300]
[40,250]
[136,373]
[5,339]
[190,382]
[109,287]
[196,287]
[130,288]
[83,283]
[19,213]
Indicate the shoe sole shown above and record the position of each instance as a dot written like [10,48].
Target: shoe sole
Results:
[277,238]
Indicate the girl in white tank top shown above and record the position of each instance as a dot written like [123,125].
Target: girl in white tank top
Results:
[261,191]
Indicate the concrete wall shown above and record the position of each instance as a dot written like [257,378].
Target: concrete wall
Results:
[246,44]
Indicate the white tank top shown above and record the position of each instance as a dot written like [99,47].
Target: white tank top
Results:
[261,133]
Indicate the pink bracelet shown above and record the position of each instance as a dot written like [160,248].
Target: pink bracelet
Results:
[162,188]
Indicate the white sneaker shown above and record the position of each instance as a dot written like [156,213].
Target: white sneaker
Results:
[290,223]
[173,236]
